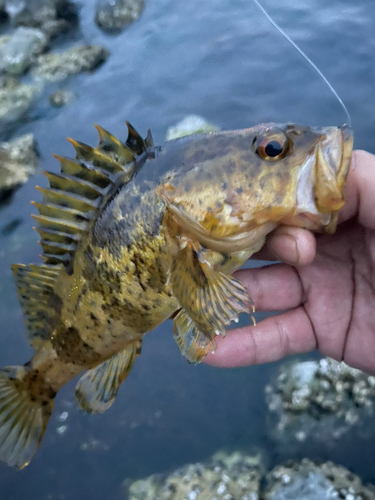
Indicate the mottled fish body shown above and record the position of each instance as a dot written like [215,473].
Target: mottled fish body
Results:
[133,234]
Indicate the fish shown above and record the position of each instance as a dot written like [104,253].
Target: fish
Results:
[134,234]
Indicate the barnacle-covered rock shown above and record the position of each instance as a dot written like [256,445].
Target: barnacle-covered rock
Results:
[61,98]
[309,481]
[224,477]
[60,65]
[15,99]
[17,51]
[51,16]
[113,16]
[19,160]
[320,399]
[191,124]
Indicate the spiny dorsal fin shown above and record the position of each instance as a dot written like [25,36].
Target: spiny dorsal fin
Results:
[34,287]
[135,141]
[80,189]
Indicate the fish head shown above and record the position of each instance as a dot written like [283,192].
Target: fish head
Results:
[233,188]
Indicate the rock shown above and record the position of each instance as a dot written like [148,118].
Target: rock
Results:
[321,399]
[192,124]
[18,51]
[224,477]
[51,16]
[60,98]
[15,99]
[112,16]
[58,66]
[19,160]
[308,481]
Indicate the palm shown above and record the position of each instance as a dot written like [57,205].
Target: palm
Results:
[339,293]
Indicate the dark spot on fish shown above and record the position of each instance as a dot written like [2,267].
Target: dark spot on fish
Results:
[95,319]
[239,190]
[187,187]
[69,263]
[70,347]
[37,387]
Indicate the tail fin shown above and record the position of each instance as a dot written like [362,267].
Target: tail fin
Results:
[23,417]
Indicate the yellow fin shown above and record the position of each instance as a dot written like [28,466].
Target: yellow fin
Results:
[109,144]
[23,418]
[211,298]
[97,388]
[192,343]
[34,287]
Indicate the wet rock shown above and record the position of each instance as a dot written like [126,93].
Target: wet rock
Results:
[51,16]
[192,124]
[15,99]
[309,481]
[323,399]
[58,66]
[224,477]
[18,51]
[19,160]
[61,98]
[112,16]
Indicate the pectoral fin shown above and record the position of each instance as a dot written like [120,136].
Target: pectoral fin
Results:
[192,343]
[97,388]
[211,298]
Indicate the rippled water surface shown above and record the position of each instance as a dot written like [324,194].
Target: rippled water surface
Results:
[220,59]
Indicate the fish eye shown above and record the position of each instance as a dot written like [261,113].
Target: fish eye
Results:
[271,145]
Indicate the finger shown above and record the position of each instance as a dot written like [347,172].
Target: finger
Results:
[360,189]
[273,288]
[292,245]
[271,339]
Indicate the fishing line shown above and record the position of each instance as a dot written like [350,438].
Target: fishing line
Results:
[287,37]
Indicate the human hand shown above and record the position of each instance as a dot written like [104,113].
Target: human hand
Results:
[326,283]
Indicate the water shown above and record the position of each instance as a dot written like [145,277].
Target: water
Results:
[220,59]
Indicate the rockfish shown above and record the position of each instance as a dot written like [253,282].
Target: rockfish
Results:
[134,234]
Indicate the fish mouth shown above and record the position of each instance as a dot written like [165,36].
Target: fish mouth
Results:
[322,179]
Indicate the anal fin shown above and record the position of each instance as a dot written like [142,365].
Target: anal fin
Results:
[192,343]
[97,388]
